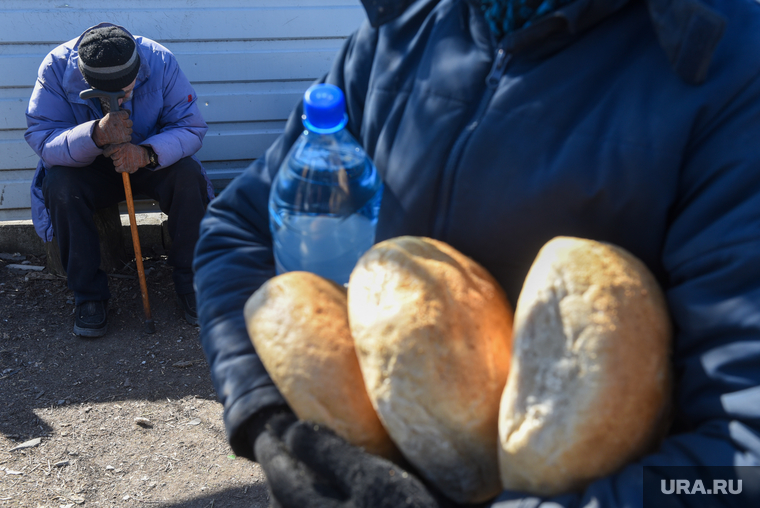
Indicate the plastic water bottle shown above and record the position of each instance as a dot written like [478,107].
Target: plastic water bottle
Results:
[325,198]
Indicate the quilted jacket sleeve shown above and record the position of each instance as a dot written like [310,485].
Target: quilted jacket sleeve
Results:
[52,130]
[233,258]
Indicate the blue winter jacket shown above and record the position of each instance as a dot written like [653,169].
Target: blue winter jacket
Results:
[626,121]
[163,111]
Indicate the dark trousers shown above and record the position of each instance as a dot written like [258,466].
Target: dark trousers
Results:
[73,194]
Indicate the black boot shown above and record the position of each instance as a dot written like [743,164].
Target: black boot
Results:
[188,306]
[92,319]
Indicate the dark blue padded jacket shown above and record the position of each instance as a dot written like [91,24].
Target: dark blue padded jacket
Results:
[626,121]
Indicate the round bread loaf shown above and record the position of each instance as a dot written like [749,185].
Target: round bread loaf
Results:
[298,324]
[433,331]
[588,388]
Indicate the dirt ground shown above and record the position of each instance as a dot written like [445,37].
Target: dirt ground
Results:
[80,398]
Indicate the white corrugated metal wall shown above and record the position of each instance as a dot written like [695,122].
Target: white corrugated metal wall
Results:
[249,61]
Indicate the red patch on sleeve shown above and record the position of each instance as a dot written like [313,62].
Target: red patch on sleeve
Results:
[189,98]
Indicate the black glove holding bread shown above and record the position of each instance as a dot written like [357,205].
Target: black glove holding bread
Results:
[309,465]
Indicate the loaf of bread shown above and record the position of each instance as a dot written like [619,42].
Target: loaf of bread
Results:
[432,331]
[298,324]
[588,388]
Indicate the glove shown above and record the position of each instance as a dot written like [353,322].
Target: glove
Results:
[127,157]
[308,465]
[114,128]
[258,422]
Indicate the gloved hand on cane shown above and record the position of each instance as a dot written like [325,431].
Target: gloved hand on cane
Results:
[127,157]
[114,128]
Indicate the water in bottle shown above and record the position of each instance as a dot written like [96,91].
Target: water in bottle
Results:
[325,198]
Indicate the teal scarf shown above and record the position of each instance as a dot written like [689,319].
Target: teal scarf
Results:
[506,16]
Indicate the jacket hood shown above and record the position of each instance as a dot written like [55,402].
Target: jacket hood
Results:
[688,30]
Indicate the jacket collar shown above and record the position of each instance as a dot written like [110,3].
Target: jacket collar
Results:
[380,12]
[73,82]
[688,30]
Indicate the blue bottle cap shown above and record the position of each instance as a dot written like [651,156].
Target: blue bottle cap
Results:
[324,109]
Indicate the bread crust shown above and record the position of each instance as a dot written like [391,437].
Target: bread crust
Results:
[589,385]
[432,331]
[298,324]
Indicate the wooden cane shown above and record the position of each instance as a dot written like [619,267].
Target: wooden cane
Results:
[150,326]
[113,98]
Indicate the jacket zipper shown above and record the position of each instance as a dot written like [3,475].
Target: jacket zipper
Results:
[499,66]
[497,69]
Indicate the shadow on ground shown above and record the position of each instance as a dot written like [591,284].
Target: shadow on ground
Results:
[43,364]
[82,398]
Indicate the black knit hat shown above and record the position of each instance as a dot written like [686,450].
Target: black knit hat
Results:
[108,58]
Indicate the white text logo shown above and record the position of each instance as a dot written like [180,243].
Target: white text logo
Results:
[685,487]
